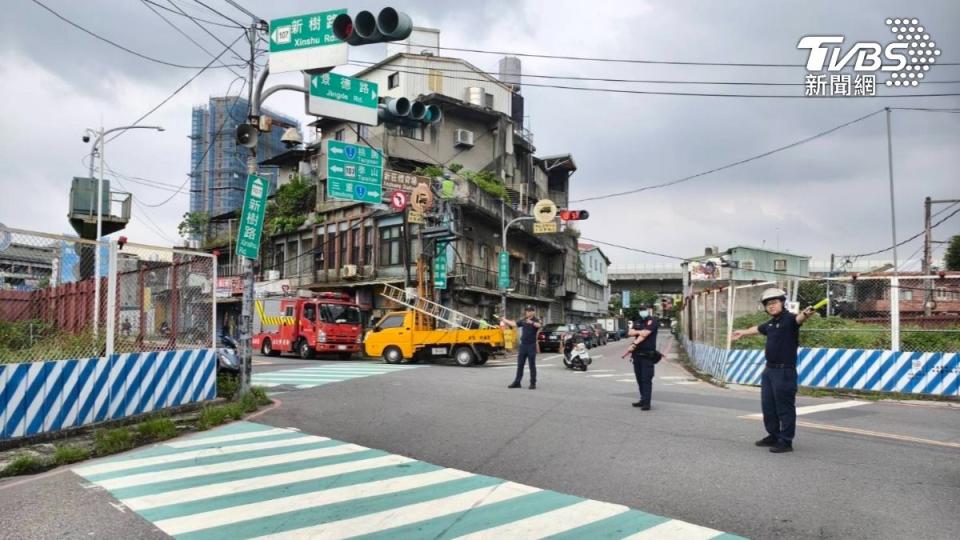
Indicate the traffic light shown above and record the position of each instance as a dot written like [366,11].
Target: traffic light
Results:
[365,28]
[403,112]
[573,215]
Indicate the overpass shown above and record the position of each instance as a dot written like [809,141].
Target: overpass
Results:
[656,277]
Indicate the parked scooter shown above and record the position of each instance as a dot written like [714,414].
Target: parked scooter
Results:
[575,354]
[228,358]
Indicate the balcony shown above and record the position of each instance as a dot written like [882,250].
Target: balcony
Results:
[492,207]
[473,276]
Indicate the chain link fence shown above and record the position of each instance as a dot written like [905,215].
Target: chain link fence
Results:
[64,297]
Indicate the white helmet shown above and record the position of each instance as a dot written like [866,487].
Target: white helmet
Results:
[773,294]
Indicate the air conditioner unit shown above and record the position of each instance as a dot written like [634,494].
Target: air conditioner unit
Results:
[464,137]
[349,270]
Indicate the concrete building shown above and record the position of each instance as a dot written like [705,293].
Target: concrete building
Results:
[218,172]
[592,298]
[357,247]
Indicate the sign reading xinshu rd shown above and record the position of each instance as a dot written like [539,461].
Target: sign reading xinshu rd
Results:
[251,218]
[306,42]
[354,172]
[337,96]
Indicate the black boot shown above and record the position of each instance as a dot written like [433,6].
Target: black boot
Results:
[514,385]
[769,440]
[781,447]
[533,386]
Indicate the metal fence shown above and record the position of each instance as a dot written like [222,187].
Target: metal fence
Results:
[63,297]
[872,332]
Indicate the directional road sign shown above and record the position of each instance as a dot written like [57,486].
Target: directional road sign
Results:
[503,279]
[346,98]
[354,172]
[440,267]
[251,218]
[306,42]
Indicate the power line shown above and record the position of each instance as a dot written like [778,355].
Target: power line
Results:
[207,21]
[175,92]
[918,235]
[620,60]
[115,44]
[234,21]
[925,109]
[151,7]
[212,142]
[359,63]
[214,36]
[735,163]
[673,93]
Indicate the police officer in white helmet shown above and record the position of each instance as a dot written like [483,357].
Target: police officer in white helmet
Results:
[778,387]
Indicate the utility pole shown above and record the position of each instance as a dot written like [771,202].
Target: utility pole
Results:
[829,289]
[503,295]
[246,311]
[927,262]
[895,280]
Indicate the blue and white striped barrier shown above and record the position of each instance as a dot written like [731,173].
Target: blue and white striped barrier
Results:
[707,358]
[41,397]
[935,373]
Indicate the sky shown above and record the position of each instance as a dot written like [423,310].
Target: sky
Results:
[830,195]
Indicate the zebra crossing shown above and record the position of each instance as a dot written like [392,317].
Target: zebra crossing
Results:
[248,480]
[319,375]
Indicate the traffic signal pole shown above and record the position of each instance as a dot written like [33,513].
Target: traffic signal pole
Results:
[503,238]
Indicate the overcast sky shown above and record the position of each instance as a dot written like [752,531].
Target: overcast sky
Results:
[827,196]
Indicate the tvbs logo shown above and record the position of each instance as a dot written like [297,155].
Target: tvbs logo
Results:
[905,60]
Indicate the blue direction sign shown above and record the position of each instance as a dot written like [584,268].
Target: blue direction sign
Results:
[354,172]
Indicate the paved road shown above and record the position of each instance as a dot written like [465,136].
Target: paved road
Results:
[860,470]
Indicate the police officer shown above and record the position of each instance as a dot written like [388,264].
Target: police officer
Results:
[778,387]
[529,326]
[643,353]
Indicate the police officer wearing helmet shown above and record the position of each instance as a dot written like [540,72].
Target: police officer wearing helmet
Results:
[778,387]
[643,353]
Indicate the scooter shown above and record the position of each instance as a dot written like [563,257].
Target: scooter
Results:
[575,354]
[227,357]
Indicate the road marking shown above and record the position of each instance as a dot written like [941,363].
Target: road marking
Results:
[313,376]
[603,370]
[605,375]
[676,529]
[810,409]
[550,523]
[344,490]
[867,433]
[626,380]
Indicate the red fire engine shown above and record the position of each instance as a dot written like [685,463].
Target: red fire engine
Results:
[326,323]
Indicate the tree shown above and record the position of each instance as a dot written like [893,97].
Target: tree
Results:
[637,297]
[952,257]
[194,225]
[291,205]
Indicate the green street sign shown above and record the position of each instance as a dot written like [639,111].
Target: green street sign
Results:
[306,42]
[440,267]
[354,172]
[346,98]
[251,218]
[503,280]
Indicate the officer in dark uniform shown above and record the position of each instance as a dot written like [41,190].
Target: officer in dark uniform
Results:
[529,326]
[643,353]
[778,386]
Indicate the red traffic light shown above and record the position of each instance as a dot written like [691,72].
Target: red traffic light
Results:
[573,215]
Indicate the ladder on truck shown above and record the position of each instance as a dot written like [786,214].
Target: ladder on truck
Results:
[429,308]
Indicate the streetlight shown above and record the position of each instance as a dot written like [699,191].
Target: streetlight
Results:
[503,295]
[98,147]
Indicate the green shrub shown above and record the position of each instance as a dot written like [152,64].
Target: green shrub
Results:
[25,463]
[111,441]
[70,454]
[261,395]
[213,416]
[227,385]
[158,429]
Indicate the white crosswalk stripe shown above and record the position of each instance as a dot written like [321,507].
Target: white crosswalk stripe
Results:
[248,480]
[310,377]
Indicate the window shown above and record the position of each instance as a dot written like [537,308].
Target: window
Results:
[355,253]
[335,313]
[488,101]
[747,265]
[906,295]
[390,238]
[411,132]
[468,256]
[331,248]
[391,321]
[779,265]
[435,81]
[364,131]
[339,134]
[393,80]
[368,245]
[289,311]
[310,312]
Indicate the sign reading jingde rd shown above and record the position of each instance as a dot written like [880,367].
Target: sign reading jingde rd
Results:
[306,42]
[346,98]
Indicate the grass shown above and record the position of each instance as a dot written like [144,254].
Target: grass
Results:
[111,441]
[26,463]
[227,385]
[157,429]
[70,454]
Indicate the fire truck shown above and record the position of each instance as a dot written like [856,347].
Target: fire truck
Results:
[325,323]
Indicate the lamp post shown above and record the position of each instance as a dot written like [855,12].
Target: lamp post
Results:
[503,238]
[98,148]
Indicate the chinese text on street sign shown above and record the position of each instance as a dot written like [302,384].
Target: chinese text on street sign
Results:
[306,42]
[354,172]
[251,217]
[337,96]
[503,280]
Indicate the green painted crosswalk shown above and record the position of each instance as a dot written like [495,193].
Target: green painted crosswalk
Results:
[248,480]
[319,375]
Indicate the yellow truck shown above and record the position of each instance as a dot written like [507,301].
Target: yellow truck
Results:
[409,335]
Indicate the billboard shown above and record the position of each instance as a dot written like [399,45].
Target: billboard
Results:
[707,270]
